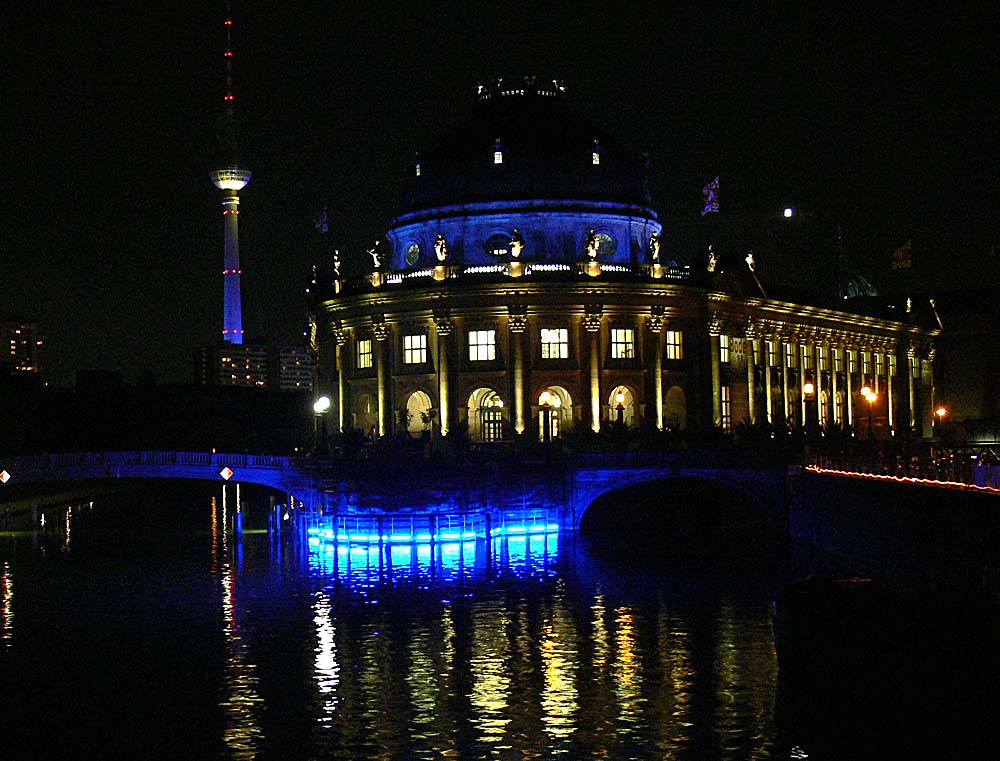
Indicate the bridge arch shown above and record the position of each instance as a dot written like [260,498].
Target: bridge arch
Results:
[690,514]
[763,488]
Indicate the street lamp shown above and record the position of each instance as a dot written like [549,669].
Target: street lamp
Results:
[808,395]
[870,396]
[620,401]
[941,412]
[320,407]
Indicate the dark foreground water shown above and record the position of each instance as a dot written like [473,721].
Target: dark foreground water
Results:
[137,629]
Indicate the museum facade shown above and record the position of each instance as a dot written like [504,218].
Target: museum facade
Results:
[521,289]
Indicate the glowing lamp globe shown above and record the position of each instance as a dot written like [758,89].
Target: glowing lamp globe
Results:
[321,405]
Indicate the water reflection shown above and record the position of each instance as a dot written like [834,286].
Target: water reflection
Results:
[242,700]
[526,647]
[7,603]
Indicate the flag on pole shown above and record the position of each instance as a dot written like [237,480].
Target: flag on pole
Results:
[711,194]
[902,257]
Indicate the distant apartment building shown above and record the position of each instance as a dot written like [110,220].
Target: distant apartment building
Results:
[254,365]
[23,347]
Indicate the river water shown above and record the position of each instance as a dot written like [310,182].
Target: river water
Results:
[135,627]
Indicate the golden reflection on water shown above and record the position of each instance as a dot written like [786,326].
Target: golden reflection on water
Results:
[672,703]
[7,603]
[491,677]
[627,670]
[560,662]
[508,674]
[242,733]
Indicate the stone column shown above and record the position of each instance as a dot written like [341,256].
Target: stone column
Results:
[889,396]
[714,331]
[517,321]
[782,347]
[768,397]
[444,327]
[341,338]
[834,408]
[592,324]
[655,324]
[751,335]
[380,331]
[911,356]
[850,385]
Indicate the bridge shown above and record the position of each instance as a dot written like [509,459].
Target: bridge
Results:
[497,491]
[560,487]
[292,475]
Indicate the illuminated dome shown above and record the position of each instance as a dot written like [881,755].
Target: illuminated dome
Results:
[523,159]
[547,151]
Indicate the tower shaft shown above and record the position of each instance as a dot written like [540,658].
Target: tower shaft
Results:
[232,317]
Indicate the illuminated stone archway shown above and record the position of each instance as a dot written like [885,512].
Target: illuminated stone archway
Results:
[417,413]
[621,406]
[365,413]
[555,410]
[675,408]
[486,415]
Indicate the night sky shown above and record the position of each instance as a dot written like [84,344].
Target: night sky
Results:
[884,126]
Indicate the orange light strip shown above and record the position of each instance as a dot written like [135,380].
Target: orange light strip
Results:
[904,479]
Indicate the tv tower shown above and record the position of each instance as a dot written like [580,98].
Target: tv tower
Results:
[231,179]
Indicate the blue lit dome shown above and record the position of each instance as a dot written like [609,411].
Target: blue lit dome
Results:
[523,160]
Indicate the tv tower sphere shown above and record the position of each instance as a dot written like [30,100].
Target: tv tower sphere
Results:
[230,178]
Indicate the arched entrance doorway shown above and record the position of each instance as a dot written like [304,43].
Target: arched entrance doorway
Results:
[365,414]
[622,406]
[555,411]
[417,414]
[675,409]
[485,415]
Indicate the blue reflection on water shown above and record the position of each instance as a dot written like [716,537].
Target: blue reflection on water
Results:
[518,556]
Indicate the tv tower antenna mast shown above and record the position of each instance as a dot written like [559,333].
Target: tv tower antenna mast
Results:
[231,178]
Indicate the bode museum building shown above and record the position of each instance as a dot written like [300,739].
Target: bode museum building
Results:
[522,289]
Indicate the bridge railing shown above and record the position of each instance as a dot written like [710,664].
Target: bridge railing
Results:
[98,459]
[944,470]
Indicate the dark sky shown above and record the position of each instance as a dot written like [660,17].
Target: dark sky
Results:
[883,125]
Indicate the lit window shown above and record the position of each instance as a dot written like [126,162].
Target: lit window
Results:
[807,358]
[823,354]
[892,365]
[866,363]
[622,343]
[726,408]
[675,344]
[852,360]
[838,360]
[497,152]
[880,364]
[555,343]
[772,353]
[915,367]
[482,345]
[791,355]
[724,348]
[364,354]
[415,349]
